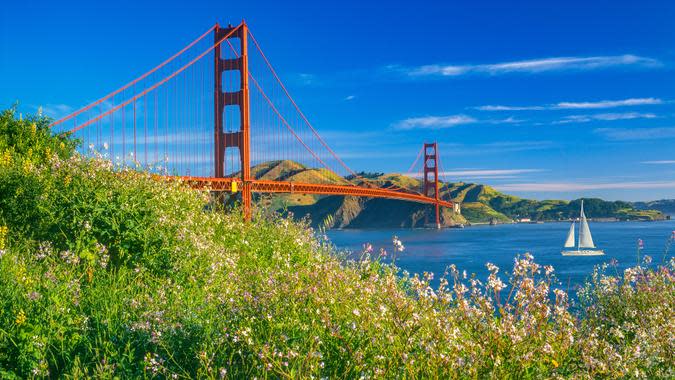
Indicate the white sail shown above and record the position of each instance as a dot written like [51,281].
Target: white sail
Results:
[569,243]
[585,238]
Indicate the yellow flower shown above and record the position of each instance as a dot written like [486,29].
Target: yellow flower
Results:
[5,158]
[3,236]
[27,166]
[33,128]
[20,318]
[555,363]
[67,180]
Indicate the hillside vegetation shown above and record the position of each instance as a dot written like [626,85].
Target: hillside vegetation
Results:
[106,272]
[666,206]
[480,203]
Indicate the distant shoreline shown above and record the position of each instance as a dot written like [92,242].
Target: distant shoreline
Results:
[599,220]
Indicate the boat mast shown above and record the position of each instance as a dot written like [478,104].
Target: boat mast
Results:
[580,222]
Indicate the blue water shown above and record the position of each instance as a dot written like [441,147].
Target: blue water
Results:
[470,248]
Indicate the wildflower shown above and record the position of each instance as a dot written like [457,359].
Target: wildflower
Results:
[647,259]
[367,248]
[547,348]
[44,249]
[398,245]
[356,312]
[20,318]
[492,268]
[548,269]
[496,283]
[3,236]
[70,257]
[630,274]
[105,145]
[42,370]
[34,296]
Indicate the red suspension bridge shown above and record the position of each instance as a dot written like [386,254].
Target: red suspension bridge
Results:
[212,111]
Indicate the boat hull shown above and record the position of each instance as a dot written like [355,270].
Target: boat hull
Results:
[584,252]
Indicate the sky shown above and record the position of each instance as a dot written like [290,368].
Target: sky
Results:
[545,100]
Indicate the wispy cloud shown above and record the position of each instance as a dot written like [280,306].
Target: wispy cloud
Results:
[350,97]
[434,122]
[573,186]
[624,134]
[488,172]
[661,162]
[482,173]
[532,66]
[55,111]
[605,117]
[510,108]
[576,105]
[305,79]
[609,103]
[440,122]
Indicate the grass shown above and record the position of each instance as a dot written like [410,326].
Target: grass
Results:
[106,272]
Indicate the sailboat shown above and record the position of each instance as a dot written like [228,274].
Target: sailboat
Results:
[585,246]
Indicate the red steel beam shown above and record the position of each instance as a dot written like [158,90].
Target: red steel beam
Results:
[261,186]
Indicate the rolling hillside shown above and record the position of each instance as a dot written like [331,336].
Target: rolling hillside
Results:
[480,203]
[666,206]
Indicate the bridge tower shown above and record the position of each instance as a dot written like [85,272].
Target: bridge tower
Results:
[431,176]
[241,138]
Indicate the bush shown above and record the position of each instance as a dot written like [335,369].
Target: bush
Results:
[109,272]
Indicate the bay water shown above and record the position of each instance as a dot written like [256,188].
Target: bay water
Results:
[430,250]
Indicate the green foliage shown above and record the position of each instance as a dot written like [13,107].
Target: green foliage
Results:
[111,273]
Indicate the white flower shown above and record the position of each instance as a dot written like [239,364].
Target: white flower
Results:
[398,245]
[492,268]
[549,269]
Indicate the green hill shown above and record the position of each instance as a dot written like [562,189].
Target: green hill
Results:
[666,206]
[479,203]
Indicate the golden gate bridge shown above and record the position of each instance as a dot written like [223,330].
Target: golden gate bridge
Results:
[212,111]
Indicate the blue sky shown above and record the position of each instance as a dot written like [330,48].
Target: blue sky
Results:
[539,99]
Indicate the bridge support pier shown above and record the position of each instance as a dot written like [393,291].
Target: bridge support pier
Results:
[431,177]
[240,139]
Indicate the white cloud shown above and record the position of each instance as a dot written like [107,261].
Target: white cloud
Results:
[439,122]
[482,173]
[609,103]
[576,105]
[606,117]
[623,134]
[488,172]
[533,66]
[573,186]
[662,162]
[306,79]
[509,108]
[56,111]
[350,97]
[434,122]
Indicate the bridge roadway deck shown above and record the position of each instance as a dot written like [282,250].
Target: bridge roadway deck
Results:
[263,186]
